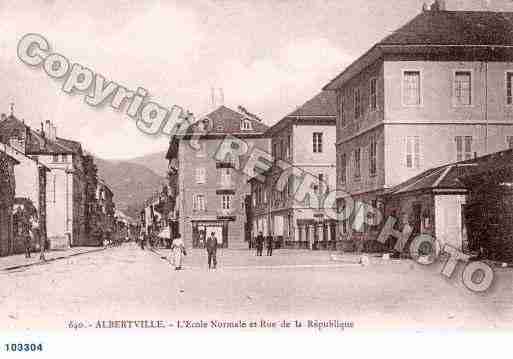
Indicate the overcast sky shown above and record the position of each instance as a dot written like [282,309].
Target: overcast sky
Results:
[267,55]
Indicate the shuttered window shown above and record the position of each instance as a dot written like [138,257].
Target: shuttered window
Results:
[411,88]
[463,148]
[463,88]
[357,163]
[412,152]
[373,156]
[509,88]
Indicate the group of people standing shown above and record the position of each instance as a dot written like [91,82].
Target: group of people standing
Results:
[178,250]
[259,242]
[146,239]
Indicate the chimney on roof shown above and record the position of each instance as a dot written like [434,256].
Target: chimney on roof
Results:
[50,130]
[221,96]
[213,98]
[4,116]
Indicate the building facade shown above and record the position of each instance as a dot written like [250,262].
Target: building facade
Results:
[305,140]
[212,193]
[436,91]
[102,216]
[30,194]
[65,184]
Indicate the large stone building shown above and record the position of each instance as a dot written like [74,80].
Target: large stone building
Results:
[436,91]
[30,193]
[65,185]
[211,193]
[305,140]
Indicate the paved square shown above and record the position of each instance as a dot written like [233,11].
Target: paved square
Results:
[126,283]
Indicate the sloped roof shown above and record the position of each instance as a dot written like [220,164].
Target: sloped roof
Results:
[324,104]
[321,106]
[227,121]
[437,28]
[75,146]
[455,28]
[35,142]
[456,176]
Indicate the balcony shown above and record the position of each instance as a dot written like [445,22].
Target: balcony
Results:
[225,185]
[226,214]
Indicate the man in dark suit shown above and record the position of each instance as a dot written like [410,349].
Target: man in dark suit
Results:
[259,244]
[211,246]
[270,244]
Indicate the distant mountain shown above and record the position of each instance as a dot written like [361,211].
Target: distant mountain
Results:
[131,183]
[156,162]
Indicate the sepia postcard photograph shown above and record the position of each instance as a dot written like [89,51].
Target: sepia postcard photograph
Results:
[310,172]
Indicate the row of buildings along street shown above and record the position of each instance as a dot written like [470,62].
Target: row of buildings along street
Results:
[420,127]
[51,196]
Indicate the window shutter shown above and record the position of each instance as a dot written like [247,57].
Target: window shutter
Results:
[417,152]
[459,148]
[408,157]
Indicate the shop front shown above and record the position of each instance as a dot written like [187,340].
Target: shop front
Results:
[318,233]
[203,229]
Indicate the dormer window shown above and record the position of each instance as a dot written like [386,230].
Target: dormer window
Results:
[245,125]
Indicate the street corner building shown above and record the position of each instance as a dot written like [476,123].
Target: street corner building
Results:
[436,91]
[50,177]
[305,141]
[212,193]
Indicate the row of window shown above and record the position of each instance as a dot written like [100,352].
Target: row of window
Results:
[199,202]
[357,162]
[63,158]
[260,193]
[358,109]
[225,175]
[412,92]
[462,88]
[282,149]
[207,124]
[412,157]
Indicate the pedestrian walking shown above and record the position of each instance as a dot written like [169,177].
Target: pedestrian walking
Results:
[259,244]
[144,237]
[37,237]
[26,239]
[212,250]
[270,244]
[178,251]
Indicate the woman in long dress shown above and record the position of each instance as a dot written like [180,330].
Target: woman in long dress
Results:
[178,251]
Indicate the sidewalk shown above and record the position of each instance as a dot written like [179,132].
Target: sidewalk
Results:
[19,261]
